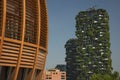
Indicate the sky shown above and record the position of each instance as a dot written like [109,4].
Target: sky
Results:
[61,21]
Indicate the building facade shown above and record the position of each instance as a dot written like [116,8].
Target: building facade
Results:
[54,74]
[23,39]
[92,53]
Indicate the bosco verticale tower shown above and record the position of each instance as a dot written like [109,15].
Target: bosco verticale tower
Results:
[90,52]
[23,39]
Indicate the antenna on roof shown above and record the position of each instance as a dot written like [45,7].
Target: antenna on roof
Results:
[92,5]
[92,8]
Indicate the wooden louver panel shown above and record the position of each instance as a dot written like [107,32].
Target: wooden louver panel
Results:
[40,59]
[0,17]
[13,20]
[28,56]
[31,26]
[10,53]
[43,31]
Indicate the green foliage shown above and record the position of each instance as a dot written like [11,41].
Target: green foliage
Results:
[107,77]
[96,77]
[101,77]
[114,76]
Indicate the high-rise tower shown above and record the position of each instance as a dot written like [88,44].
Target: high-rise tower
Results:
[71,56]
[93,50]
[23,39]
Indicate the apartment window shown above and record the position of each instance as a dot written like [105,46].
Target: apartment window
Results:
[48,78]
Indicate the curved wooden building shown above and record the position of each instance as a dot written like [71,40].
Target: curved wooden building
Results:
[23,39]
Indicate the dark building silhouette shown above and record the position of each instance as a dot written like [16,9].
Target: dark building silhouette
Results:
[71,56]
[61,67]
[90,52]
[23,39]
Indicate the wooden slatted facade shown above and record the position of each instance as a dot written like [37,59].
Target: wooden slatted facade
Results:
[23,39]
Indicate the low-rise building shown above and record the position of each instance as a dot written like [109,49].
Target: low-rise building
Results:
[54,74]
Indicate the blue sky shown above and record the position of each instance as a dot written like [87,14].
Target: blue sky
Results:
[61,18]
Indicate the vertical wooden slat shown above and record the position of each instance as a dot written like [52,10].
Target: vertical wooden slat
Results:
[46,44]
[22,39]
[3,25]
[46,41]
[38,38]
[46,26]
